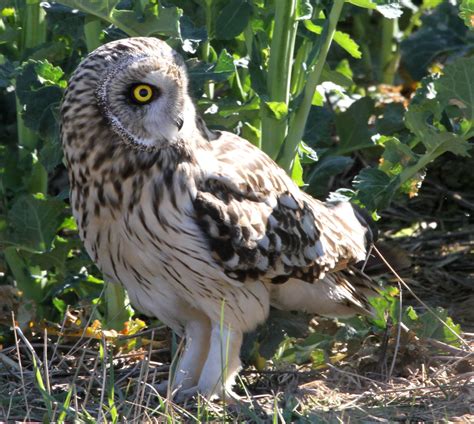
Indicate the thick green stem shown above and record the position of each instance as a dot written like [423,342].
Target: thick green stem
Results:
[92,32]
[422,163]
[298,123]
[33,35]
[34,25]
[388,53]
[279,75]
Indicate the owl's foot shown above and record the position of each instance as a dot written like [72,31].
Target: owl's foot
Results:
[163,387]
[229,396]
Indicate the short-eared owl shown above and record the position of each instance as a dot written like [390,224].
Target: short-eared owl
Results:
[202,228]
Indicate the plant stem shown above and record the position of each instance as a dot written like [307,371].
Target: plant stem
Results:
[92,32]
[33,35]
[360,25]
[34,25]
[298,123]
[279,75]
[388,57]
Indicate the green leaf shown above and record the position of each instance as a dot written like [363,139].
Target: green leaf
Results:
[375,188]
[396,154]
[318,99]
[449,142]
[391,10]
[39,87]
[232,19]
[441,31]
[466,12]
[326,168]
[200,72]
[335,77]
[279,110]
[456,86]
[352,126]
[154,19]
[297,172]
[348,44]
[391,121]
[304,10]
[34,222]
[366,4]
[388,8]
[341,38]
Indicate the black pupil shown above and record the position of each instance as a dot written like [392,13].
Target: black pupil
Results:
[143,92]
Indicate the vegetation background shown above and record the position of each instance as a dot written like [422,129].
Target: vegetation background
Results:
[362,94]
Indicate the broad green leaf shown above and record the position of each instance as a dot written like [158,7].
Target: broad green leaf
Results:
[419,118]
[6,72]
[39,87]
[450,142]
[396,156]
[34,222]
[319,128]
[391,121]
[320,174]
[232,19]
[155,19]
[162,20]
[225,64]
[456,86]
[279,110]
[201,72]
[352,126]
[375,188]
[441,31]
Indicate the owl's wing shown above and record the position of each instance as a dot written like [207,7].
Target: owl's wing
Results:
[260,225]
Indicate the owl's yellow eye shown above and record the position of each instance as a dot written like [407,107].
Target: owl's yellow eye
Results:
[142,93]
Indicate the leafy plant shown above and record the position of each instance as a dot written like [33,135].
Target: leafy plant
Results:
[297,78]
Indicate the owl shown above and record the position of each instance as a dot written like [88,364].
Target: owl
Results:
[202,228]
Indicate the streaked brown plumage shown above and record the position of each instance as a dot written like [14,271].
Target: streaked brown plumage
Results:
[200,227]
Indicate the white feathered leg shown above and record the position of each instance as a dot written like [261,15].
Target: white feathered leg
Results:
[197,335]
[190,365]
[221,366]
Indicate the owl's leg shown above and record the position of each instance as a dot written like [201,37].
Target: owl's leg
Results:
[221,366]
[190,365]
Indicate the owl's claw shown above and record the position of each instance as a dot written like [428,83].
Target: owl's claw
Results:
[186,394]
[162,388]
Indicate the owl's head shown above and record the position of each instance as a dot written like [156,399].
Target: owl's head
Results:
[139,85]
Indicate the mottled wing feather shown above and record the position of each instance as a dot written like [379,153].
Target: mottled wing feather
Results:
[261,226]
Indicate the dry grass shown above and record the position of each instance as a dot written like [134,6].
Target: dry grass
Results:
[433,382]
